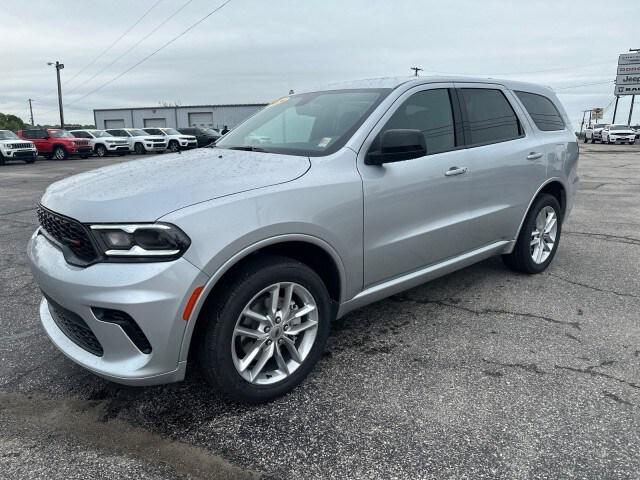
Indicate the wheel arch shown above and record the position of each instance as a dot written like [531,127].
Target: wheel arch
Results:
[553,186]
[310,250]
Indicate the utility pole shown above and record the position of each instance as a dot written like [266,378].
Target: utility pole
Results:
[31,111]
[59,66]
[633,97]
[584,112]
[416,70]
[615,109]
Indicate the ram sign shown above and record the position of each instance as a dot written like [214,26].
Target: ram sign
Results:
[628,78]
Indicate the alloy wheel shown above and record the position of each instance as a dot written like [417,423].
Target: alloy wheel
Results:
[59,154]
[543,237]
[275,333]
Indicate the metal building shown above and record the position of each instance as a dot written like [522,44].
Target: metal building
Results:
[208,116]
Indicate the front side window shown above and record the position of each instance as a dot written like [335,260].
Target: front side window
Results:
[310,124]
[430,112]
[136,132]
[542,111]
[100,134]
[489,116]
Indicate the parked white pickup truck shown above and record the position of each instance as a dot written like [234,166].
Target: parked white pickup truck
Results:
[594,132]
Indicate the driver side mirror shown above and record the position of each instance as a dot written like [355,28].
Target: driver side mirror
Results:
[398,145]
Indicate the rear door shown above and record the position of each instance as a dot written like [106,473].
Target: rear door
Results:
[415,210]
[506,160]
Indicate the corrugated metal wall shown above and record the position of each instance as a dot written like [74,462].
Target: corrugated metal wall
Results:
[177,117]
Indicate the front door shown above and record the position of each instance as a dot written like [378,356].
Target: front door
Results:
[415,210]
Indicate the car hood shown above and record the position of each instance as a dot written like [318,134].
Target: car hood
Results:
[145,190]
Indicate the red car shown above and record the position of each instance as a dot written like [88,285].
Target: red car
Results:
[56,143]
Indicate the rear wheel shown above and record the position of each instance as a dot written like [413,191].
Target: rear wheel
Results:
[267,331]
[139,149]
[539,237]
[59,153]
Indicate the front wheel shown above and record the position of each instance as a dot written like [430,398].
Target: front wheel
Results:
[266,331]
[585,139]
[539,237]
[174,146]
[59,153]
[139,148]
[101,150]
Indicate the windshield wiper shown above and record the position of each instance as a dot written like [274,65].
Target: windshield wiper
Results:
[247,148]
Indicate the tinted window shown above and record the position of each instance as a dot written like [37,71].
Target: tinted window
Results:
[430,112]
[154,131]
[489,116]
[542,110]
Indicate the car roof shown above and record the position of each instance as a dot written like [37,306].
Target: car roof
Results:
[411,81]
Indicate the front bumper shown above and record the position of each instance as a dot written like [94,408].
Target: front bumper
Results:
[153,294]
[117,148]
[622,138]
[20,154]
[155,147]
[188,144]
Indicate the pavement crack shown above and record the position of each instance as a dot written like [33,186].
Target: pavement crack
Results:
[529,367]
[594,373]
[607,237]
[591,287]
[616,398]
[488,311]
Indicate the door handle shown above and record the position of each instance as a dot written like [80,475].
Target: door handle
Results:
[455,171]
[534,156]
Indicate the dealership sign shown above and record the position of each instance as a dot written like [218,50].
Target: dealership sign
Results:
[628,78]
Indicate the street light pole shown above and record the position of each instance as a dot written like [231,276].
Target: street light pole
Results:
[31,112]
[59,66]
[416,70]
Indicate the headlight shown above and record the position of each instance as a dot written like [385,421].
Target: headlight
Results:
[8,146]
[149,241]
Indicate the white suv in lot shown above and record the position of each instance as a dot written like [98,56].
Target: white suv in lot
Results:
[103,142]
[618,134]
[13,147]
[594,132]
[177,141]
[139,140]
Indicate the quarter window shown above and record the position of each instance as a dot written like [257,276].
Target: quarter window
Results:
[430,112]
[489,116]
[542,111]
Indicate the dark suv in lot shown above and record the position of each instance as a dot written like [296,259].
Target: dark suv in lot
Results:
[57,143]
[204,136]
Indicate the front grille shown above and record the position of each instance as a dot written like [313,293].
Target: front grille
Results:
[75,328]
[81,142]
[21,145]
[69,233]
[23,155]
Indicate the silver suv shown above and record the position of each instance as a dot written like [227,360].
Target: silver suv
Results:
[240,256]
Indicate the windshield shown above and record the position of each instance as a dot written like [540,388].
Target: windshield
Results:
[212,131]
[100,133]
[619,127]
[8,135]
[60,134]
[171,131]
[136,132]
[310,124]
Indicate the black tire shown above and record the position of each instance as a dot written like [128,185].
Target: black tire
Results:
[84,157]
[174,146]
[221,314]
[1,159]
[59,153]
[101,150]
[585,139]
[30,160]
[520,259]
[139,149]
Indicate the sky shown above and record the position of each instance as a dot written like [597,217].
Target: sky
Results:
[256,50]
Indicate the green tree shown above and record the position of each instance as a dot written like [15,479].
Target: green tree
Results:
[11,122]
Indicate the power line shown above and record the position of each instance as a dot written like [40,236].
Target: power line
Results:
[583,85]
[525,73]
[126,32]
[126,52]
[166,44]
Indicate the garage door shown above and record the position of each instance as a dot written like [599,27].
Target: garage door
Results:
[201,119]
[113,124]
[155,122]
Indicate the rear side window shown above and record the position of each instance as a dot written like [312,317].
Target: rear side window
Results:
[430,112]
[542,110]
[489,116]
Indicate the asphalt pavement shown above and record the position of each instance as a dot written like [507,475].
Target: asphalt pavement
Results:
[481,374]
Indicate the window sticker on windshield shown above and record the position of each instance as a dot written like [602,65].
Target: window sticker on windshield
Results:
[324,142]
[279,101]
